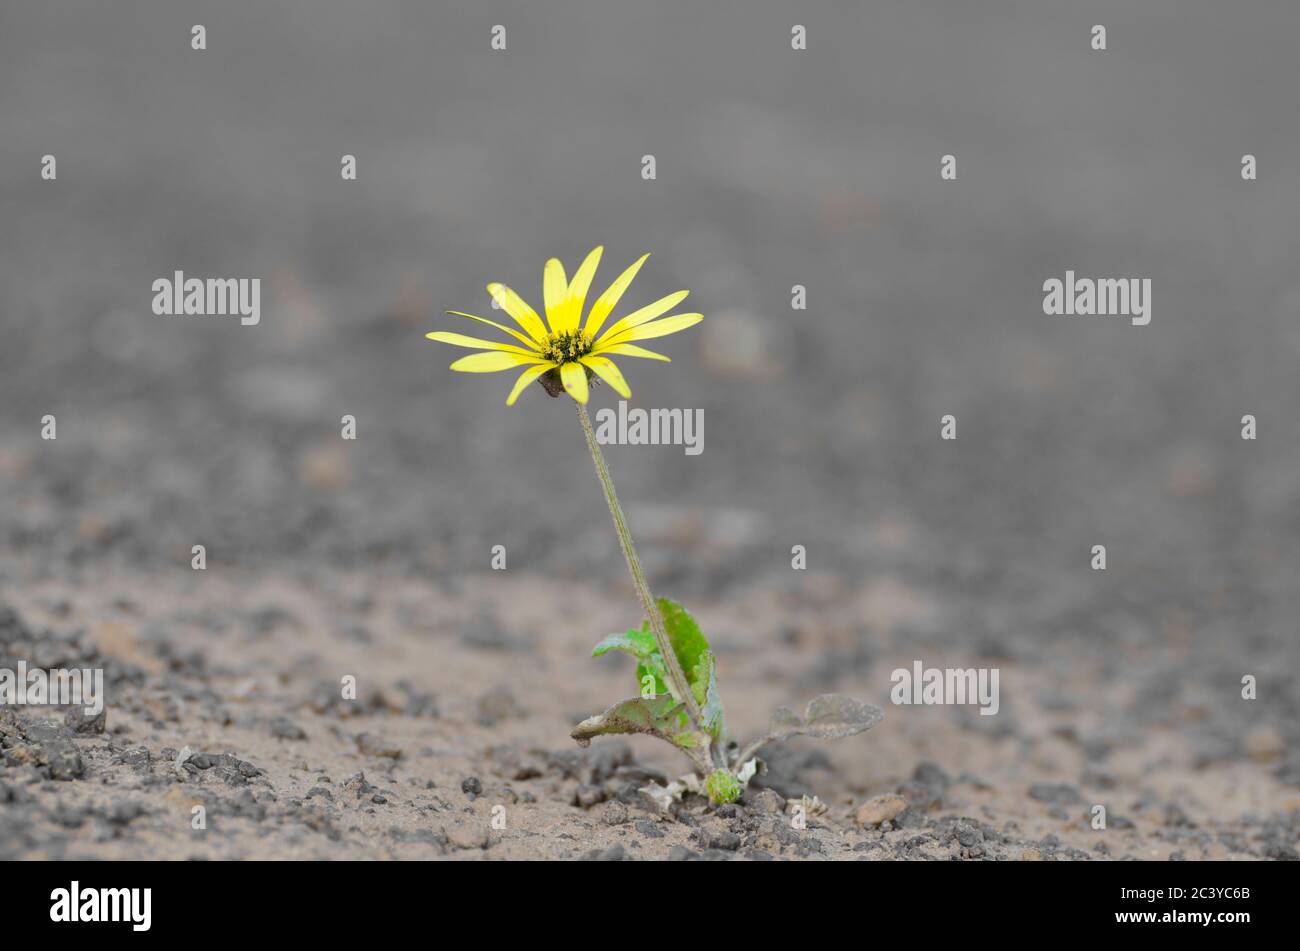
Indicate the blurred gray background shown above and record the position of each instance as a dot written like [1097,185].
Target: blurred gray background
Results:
[775,168]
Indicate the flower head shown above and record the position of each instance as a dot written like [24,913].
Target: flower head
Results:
[562,352]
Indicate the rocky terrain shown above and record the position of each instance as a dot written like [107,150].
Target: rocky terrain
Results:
[228,698]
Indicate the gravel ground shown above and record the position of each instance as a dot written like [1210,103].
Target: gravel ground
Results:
[329,558]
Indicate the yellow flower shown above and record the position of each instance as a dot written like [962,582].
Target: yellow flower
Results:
[561,347]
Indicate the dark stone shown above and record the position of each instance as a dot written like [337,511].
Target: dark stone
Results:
[612,854]
[648,829]
[728,841]
[282,728]
[78,721]
[1061,794]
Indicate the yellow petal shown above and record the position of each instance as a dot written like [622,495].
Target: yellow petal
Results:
[474,343]
[645,314]
[576,297]
[629,350]
[575,380]
[491,362]
[606,301]
[555,287]
[516,307]
[606,370]
[492,323]
[525,378]
[659,328]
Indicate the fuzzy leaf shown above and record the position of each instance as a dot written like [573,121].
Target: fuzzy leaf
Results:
[747,771]
[829,717]
[660,716]
[641,645]
[687,639]
[689,644]
[704,684]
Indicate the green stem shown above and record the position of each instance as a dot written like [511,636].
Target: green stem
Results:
[680,685]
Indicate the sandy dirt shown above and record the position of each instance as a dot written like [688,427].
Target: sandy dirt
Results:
[463,707]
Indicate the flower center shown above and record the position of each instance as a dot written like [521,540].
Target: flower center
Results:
[567,347]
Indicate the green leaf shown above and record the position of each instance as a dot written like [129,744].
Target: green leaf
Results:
[696,658]
[689,643]
[704,684]
[657,715]
[660,716]
[641,645]
[693,653]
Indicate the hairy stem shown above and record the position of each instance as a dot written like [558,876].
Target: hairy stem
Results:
[680,685]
